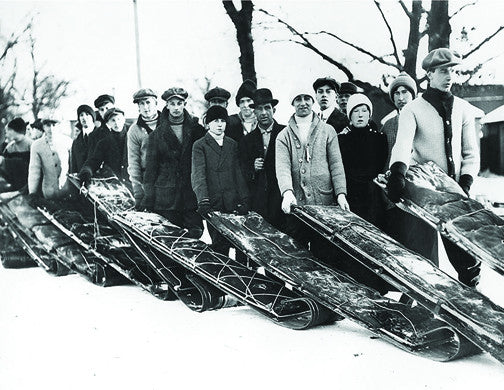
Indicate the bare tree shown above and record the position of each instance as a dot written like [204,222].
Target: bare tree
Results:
[242,21]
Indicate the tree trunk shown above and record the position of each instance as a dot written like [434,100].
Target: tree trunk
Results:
[242,21]
[411,52]
[439,25]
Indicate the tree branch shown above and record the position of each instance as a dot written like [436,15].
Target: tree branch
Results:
[405,9]
[477,47]
[392,40]
[461,8]
[230,10]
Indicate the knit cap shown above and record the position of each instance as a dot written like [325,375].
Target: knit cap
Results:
[357,100]
[404,80]
[216,112]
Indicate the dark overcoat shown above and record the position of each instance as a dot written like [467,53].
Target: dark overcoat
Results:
[216,174]
[338,120]
[167,178]
[265,197]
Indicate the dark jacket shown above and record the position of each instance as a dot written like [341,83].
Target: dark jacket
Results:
[216,174]
[364,152]
[14,169]
[167,178]
[234,128]
[81,150]
[110,151]
[265,196]
[338,120]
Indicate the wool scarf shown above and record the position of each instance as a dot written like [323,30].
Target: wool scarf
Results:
[443,104]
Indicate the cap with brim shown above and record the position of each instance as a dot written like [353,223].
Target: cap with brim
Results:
[112,112]
[37,124]
[49,121]
[349,88]
[440,58]
[320,82]
[217,93]
[174,92]
[103,99]
[18,125]
[263,96]
[143,93]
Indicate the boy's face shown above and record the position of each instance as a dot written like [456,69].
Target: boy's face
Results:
[12,135]
[217,127]
[176,106]
[402,96]
[343,100]
[116,123]
[147,107]
[103,109]
[326,96]
[86,120]
[360,116]
[264,114]
[36,133]
[245,108]
[303,105]
[48,128]
[441,78]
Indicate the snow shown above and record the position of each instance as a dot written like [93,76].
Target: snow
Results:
[66,333]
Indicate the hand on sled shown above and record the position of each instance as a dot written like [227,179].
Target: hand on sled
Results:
[242,209]
[288,201]
[85,179]
[204,207]
[342,202]
[397,181]
[382,179]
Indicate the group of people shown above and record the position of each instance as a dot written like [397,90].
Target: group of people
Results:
[184,168]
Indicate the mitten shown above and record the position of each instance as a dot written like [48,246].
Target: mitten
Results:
[396,181]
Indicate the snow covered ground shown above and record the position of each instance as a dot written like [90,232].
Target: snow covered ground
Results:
[65,333]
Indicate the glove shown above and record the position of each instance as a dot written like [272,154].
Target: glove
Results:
[396,181]
[85,178]
[465,182]
[242,209]
[204,207]
[288,200]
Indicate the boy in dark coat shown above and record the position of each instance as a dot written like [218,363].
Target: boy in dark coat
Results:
[167,178]
[15,157]
[110,151]
[81,151]
[257,155]
[239,125]
[216,176]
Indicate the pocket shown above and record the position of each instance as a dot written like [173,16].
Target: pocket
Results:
[324,191]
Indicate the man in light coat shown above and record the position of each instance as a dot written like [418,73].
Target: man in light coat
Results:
[438,127]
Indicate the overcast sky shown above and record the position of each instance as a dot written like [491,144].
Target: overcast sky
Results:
[91,43]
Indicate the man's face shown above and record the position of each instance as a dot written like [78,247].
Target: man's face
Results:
[264,114]
[12,135]
[116,123]
[343,100]
[48,128]
[303,105]
[402,96]
[103,109]
[175,106]
[245,108]
[326,96]
[217,127]
[360,116]
[217,102]
[147,107]
[36,133]
[86,120]
[441,78]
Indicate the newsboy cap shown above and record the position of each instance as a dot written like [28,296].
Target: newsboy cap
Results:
[37,124]
[404,80]
[142,94]
[49,121]
[174,92]
[103,99]
[326,81]
[348,87]
[217,93]
[440,58]
[111,112]
[18,125]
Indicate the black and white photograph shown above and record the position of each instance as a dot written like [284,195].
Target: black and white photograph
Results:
[261,194]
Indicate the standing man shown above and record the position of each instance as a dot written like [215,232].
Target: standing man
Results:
[309,167]
[217,96]
[167,178]
[438,127]
[103,103]
[36,130]
[245,121]
[347,89]
[326,92]
[80,150]
[138,137]
[257,157]
[15,157]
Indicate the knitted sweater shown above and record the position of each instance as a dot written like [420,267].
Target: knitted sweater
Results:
[315,174]
[420,137]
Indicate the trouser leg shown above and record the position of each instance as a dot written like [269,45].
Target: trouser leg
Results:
[468,268]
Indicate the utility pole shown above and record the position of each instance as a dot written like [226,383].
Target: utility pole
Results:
[137,43]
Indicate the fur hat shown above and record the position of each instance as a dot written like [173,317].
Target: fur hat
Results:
[440,58]
[87,109]
[404,80]
[18,125]
[247,89]
[216,112]
[103,99]
[359,99]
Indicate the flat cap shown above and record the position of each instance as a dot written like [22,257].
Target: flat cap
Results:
[348,87]
[37,124]
[49,121]
[217,93]
[440,58]
[143,93]
[111,112]
[173,92]
[326,81]
[103,99]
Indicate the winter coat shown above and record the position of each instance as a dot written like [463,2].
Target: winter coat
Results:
[167,178]
[16,158]
[364,152]
[216,174]
[80,152]
[338,120]
[110,151]
[389,128]
[420,137]
[235,129]
[138,137]
[265,196]
[315,175]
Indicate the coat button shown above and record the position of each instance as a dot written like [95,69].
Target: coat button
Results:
[300,160]
[303,170]
[298,146]
[308,195]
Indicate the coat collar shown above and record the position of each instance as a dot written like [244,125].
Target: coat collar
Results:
[292,125]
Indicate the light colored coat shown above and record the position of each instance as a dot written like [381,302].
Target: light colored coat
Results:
[420,137]
[137,141]
[317,177]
